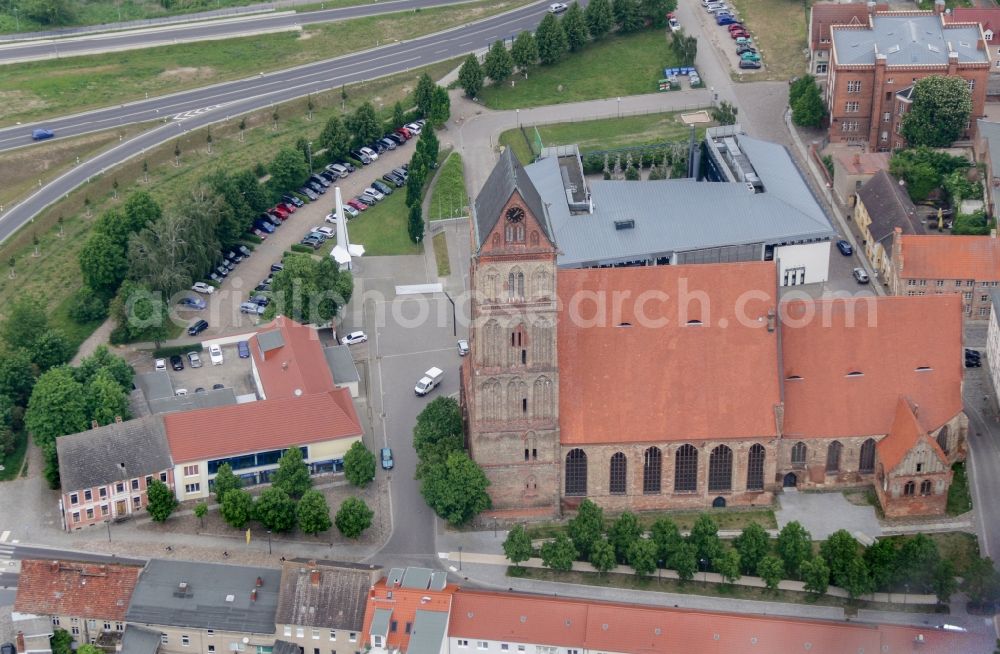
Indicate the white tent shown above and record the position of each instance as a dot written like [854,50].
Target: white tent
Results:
[344,251]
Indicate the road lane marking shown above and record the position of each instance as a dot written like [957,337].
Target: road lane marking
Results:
[4,536]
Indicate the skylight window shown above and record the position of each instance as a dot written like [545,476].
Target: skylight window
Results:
[855,373]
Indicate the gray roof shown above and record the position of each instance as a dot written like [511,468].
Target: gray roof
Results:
[115,452]
[271,340]
[889,206]
[906,40]
[507,177]
[155,385]
[336,601]
[205,603]
[380,622]
[428,632]
[285,647]
[681,215]
[137,403]
[341,363]
[990,132]
[207,400]
[416,578]
[394,577]
[140,641]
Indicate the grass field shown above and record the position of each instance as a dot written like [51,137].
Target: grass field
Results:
[602,134]
[779,28]
[617,65]
[35,90]
[448,198]
[959,500]
[958,547]
[55,274]
[441,255]
[382,228]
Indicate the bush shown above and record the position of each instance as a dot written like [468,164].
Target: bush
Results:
[303,249]
[975,223]
[167,352]
[252,239]
[86,307]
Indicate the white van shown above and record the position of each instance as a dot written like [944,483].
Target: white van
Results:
[429,381]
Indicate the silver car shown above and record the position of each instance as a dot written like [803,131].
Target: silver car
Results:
[194,359]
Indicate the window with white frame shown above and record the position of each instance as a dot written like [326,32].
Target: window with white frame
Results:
[211,649]
[191,471]
[288,630]
[852,107]
[504,647]
[887,116]
[463,642]
[210,632]
[185,640]
[967,296]
[854,86]
[135,484]
[120,487]
[300,632]
[984,311]
[163,638]
[75,630]
[972,85]
[970,282]
[353,637]
[76,516]
[104,510]
[482,644]
[74,498]
[102,492]
[192,488]
[333,635]
[55,620]
[849,126]
[315,634]
[88,495]
[107,626]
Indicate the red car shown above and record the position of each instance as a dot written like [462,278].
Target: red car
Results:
[405,133]
[289,207]
[738,33]
[280,212]
[357,205]
[259,233]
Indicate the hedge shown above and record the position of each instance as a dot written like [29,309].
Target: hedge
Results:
[167,352]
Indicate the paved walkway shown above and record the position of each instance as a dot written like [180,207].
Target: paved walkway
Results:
[824,513]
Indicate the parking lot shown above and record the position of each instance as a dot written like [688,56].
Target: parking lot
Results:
[233,373]
[223,310]
[719,36]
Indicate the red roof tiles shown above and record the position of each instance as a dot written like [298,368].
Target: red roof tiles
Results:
[908,346]
[905,433]
[85,590]
[988,18]
[825,14]
[637,370]
[950,257]
[863,163]
[296,368]
[268,424]
[404,603]
[634,629]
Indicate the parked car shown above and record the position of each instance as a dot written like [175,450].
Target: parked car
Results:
[218,387]
[317,236]
[374,193]
[394,180]
[361,156]
[259,233]
[740,49]
[289,207]
[312,242]
[197,328]
[750,56]
[228,265]
[372,154]
[381,188]
[405,133]
[235,257]
[252,308]
[366,200]
[215,278]
[264,225]
[350,212]
[386,458]
[398,138]
[557,8]
[200,389]
[41,134]
[724,19]
[296,201]
[674,24]
[388,143]
[377,146]
[176,362]
[845,248]
[328,232]
[309,193]
[194,359]
[357,206]
[277,267]
[319,179]
[748,63]
[195,303]
[202,287]
[354,337]
[463,347]
[279,211]
[244,349]
[328,176]
[160,365]
[331,218]
[215,354]
[180,392]
[860,275]
[348,165]
[261,300]
[744,39]
[416,128]
[244,250]
[318,188]
[222,271]
[338,170]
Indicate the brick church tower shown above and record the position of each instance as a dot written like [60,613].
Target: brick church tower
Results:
[511,380]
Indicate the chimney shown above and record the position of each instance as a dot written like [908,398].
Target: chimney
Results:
[770,320]
[284,365]
[253,595]
[260,582]
[939,6]
[871,8]
[20,641]
[314,577]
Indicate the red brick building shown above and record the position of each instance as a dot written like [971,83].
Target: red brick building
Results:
[874,65]
[824,15]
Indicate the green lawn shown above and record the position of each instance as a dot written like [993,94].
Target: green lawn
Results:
[441,254]
[959,500]
[779,28]
[55,275]
[382,228]
[601,134]
[448,198]
[39,89]
[956,546]
[614,66]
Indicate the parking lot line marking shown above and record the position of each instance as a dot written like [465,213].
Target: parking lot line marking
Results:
[4,536]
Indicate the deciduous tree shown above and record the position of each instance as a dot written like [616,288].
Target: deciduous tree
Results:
[292,475]
[160,501]
[359,464]
[236,508]
[575,27]
[353,517]
[559,554]
[599,17]
[753,544]
[106,399]
[456,488]
[586,527]
[728,565]
[880,557]
[517,546]
[24,322]
[642,557]
[275,509]
[771,570]
[667,537]
[310,291]
[423,94]
[398,115]
[602,556]
[313,513]
[226,481]
[200,511]
[440,107]
[808,109]
[288,169]
[705,537]
[816,575]
[624,531]
[103,264]
[685,561]
[839,550]
[498,64]
[470,76]
[438,432]
[794,547]
[51,349]
[57,406]
[335,139]
[940,111]
[856,580]
[551,38]
[524,51]
[364,124]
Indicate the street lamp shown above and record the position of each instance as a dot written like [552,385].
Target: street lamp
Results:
[309,152]
[906,591]
[268,542]
[703,564]
[459,558]
[494,526]
[659,570]
[518,112]
[17,20]
[619,107]
[107,523]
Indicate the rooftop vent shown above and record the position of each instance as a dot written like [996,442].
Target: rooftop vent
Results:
[855,373]
[894,49]
[230,598]
[625,224]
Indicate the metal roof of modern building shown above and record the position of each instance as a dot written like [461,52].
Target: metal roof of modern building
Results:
[429,631]
[140,641]
[192,400]
[907,39]
[341,363]
[670,216]
[206,596]
[115,452]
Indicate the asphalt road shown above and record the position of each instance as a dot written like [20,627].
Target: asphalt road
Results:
[200,31]
[199,107]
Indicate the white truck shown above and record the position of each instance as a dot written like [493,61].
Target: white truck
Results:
[429,381]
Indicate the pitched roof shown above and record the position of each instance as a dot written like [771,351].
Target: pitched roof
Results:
[84,590]
[990,133]
[507,176]
[905,433]
[824,14]
[263,425]
[889,207]
[649,381]
[950,257]
[289,360]
[862,163]
[325,593]
[610,627]
[426,607]
[214,596]
[115,452]
[987,17]
[885,340]
[908,38]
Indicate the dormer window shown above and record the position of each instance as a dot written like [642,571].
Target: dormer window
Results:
[924,368]
[694,323]
[793,378]
[855,373]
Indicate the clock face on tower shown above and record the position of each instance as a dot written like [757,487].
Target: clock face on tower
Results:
[515,215]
